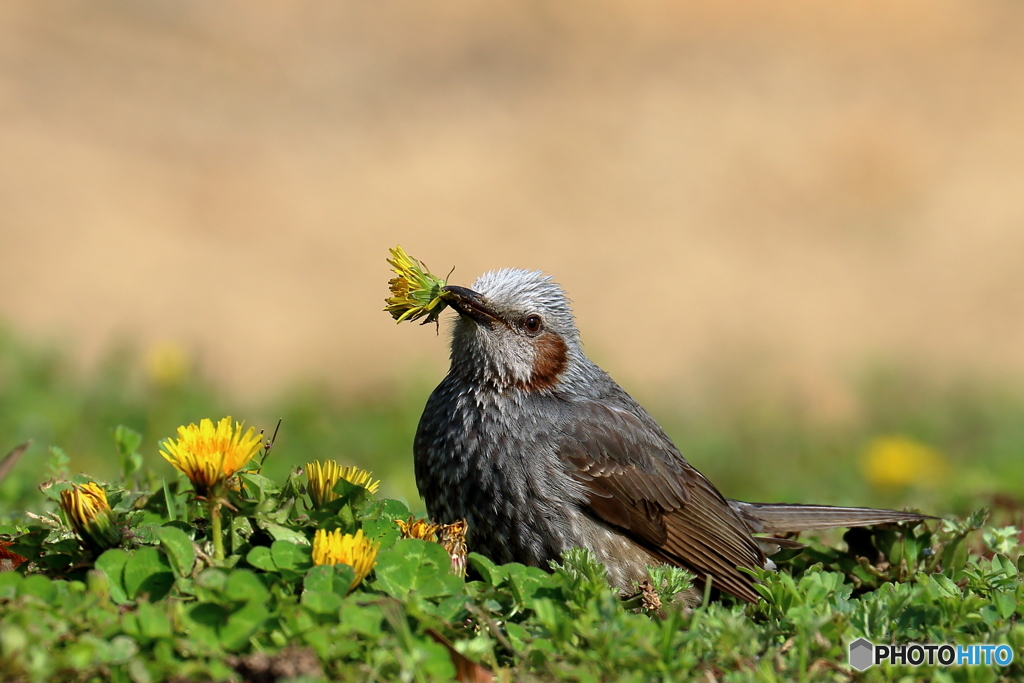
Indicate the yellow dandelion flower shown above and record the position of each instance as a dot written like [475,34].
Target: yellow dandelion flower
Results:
[90,515]
[358,552]
[415,292]
[894,461]
[210,455]
[422,529]
[453,538]
[323,476]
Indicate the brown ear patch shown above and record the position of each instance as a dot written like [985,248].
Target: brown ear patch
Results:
[550,361]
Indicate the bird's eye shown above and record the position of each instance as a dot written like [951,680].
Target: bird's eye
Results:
[532,324]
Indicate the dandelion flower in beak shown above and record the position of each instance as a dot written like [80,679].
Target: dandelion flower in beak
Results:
[415,292]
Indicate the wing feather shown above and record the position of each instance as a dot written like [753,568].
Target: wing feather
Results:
[636,480]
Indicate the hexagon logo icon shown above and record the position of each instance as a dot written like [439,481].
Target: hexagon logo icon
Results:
[862,654]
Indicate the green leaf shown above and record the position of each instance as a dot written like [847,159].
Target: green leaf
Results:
[179,548]
[452,608]
[111,564]
[946,585]
[148,571]
[517,635]
[526,581]
[379,521]
[363,619]
[121,649]
[209,614]
[260,486]
[416,566]
[241,625]
[9,584]
[172,512]
[383,531]
[243,585]
[322,602]
[283,533]
[1006,604]
[232,625]
[38,586]
[487,570]
[1005,565]
[57,464]
[55,560]
[386,508]
[320,578]
[437,663]
[954,558]
[349,493]
[153,621]
[291,556]
[329,579]
[261,558]
[213,581]
[127,441]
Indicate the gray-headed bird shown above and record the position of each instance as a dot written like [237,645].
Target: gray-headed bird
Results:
[540,451]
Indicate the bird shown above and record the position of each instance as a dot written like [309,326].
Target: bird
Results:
[540,451]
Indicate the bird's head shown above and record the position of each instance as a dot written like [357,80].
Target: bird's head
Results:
[515,328]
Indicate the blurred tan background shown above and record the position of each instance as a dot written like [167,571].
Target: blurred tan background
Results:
[754,193]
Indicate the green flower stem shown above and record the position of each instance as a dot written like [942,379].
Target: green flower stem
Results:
[218,535]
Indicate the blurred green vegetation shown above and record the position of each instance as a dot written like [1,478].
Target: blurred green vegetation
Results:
[43,397]
[754,450]
[773,451]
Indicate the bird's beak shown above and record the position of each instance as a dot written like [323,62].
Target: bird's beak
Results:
[469,304]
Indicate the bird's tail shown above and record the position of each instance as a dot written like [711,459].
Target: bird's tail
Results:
[777,518]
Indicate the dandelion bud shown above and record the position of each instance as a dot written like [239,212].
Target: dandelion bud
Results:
[90,515]
[323,477]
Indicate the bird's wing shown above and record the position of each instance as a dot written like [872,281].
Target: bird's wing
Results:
[635,480]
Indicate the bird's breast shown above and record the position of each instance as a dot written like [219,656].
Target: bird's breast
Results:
[490,459]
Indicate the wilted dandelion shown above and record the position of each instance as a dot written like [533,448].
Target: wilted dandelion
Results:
[415,292]
[453,538]
[358,552]
[423,529]
[324,476]
[895,461]
[209,455]
[90,515]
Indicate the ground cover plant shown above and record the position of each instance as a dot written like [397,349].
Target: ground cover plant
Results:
[314,577]
[119,578]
